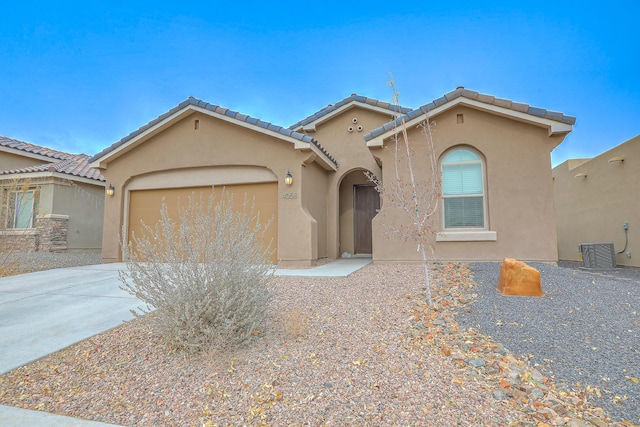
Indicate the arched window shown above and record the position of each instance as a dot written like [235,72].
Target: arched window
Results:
[463,189]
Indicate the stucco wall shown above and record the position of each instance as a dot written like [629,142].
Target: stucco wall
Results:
[84,204]
[314,198]
[593,208]
[518,188]
[13,161]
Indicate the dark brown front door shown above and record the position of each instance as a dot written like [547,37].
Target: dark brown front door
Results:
[366,202]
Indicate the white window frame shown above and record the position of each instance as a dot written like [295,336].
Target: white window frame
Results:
[14,213]
[466,233]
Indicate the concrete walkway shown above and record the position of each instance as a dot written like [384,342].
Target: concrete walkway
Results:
[47,311]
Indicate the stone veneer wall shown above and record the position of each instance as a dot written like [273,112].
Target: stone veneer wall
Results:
[49,235]
[21,240]
[53,232]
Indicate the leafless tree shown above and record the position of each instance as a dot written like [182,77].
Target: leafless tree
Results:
[414,188]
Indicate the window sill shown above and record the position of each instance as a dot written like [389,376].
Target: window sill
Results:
[19,232]
[466,236]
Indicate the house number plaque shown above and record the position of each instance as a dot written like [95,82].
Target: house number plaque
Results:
[289,195]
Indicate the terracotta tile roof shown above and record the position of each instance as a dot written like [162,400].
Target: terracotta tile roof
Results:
[353,98]
[461,92]
[220,110]
[32,148]
[61,162]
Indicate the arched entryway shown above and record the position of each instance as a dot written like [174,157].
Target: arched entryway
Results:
[359,203]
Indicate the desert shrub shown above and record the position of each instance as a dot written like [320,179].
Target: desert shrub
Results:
[206,274]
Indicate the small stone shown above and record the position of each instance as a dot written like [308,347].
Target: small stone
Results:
[547,413]
[597,422]
[526,388]
[498,395]
[559,408]
[457,356]
[501,350]
[328,385]
[477,363]
[518,394]
[576,401]
[537,376]
[536,394]
[516,368]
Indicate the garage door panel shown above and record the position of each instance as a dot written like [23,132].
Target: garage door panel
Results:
[145,205]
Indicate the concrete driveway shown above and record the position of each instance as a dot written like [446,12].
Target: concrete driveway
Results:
[44,312]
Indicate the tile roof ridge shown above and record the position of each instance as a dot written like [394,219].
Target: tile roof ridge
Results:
[351,98]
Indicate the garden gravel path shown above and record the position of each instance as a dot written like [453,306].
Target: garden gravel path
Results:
[584,332]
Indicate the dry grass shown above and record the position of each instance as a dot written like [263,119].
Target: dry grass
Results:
[296,324]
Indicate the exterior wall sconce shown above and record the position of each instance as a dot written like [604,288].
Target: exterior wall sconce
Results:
[288,178]
[111,190]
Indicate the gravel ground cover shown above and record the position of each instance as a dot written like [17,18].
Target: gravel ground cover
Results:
[584,332]
[28,262]
[365,350]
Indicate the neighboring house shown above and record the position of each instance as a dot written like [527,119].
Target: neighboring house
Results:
[52,201]
[330,208]
[594,199]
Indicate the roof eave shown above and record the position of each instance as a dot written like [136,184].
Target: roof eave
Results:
[321,158]
[59,175]
[28,154]
[554,127]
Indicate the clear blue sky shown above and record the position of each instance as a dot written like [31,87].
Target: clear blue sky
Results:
[78,76]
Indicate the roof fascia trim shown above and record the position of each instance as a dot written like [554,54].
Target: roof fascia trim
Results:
[61,176]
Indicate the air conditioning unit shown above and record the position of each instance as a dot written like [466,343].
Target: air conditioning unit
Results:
[598,255]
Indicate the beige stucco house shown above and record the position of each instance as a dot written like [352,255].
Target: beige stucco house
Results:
[498,200]
[51,201]
[594,200]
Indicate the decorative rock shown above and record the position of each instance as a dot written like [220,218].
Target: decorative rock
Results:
[537,394]
[498,395]
[519,279]
[477,363]
[547,414]
[597,422]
